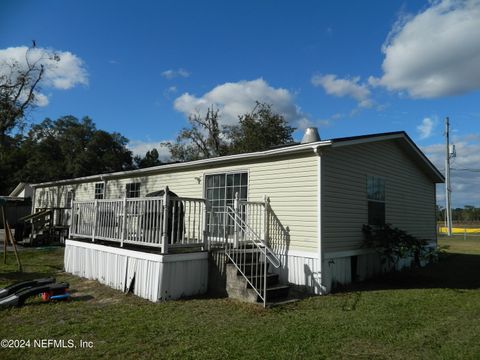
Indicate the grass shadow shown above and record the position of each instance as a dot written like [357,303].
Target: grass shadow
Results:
[15,276]
[452,271]
[82,298]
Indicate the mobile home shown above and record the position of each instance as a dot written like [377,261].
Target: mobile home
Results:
[294,213]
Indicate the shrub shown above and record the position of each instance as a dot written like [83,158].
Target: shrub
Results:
[394,244]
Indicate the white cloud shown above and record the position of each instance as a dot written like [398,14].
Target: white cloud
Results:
[140,148]
[41,99]
[464,183]
[344,87]
[63,70]
[171,74]
[238,98]
[426,127]
[434,53]
[169,91]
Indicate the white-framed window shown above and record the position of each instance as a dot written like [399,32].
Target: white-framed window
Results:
[376,200]
[133,190]
[99,190]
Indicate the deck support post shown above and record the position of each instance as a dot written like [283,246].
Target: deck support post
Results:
[95,210]
[124,221]
[166,206]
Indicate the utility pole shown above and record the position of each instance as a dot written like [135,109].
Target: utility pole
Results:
[448,189]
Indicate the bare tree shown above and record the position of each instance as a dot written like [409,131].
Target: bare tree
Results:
[19,85]
[202,140]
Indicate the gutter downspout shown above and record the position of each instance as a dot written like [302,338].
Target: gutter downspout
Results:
[320,152]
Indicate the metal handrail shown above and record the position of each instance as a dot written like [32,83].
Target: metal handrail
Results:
[254,270]
[257,240]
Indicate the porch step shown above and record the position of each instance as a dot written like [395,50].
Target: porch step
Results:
[253,269]
[250,255]
[272,279]
[239,288]
[278,292]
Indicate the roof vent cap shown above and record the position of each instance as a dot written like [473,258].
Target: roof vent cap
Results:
[311,135]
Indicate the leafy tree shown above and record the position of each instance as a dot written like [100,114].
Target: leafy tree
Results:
[150,159]
[12,157]
[105,152]
[44,158]
[63,149]
[259,130]
[202,140]
[468,213]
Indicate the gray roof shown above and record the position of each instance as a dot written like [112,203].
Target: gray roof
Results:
[400,136]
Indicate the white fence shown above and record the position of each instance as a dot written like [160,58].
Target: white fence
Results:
[143,221]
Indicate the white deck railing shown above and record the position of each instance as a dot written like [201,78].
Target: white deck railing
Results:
[184,222]
[143,221]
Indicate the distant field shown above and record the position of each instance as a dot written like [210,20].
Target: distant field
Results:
[457,244]
[465,230]
[462,224]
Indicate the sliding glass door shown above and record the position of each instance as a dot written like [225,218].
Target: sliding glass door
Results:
[220,190]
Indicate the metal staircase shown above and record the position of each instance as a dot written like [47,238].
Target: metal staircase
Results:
[250,261]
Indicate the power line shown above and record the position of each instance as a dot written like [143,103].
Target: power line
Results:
[471,170]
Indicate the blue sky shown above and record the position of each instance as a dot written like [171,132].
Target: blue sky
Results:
[348,67]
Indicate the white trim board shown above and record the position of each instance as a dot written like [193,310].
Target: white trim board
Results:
[300,148]
[162,258]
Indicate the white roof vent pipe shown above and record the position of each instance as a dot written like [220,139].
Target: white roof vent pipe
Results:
[311,135]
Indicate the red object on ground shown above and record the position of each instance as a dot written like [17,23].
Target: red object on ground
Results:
[46,295]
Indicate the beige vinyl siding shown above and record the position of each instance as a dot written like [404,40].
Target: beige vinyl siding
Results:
[410,194]
[290,181]
[56,196]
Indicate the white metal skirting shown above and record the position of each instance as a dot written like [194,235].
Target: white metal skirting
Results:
[302,271]
[155,277]
[305,271]
[338,270]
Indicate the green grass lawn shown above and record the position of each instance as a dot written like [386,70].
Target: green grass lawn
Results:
[457,244]
[432,313]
